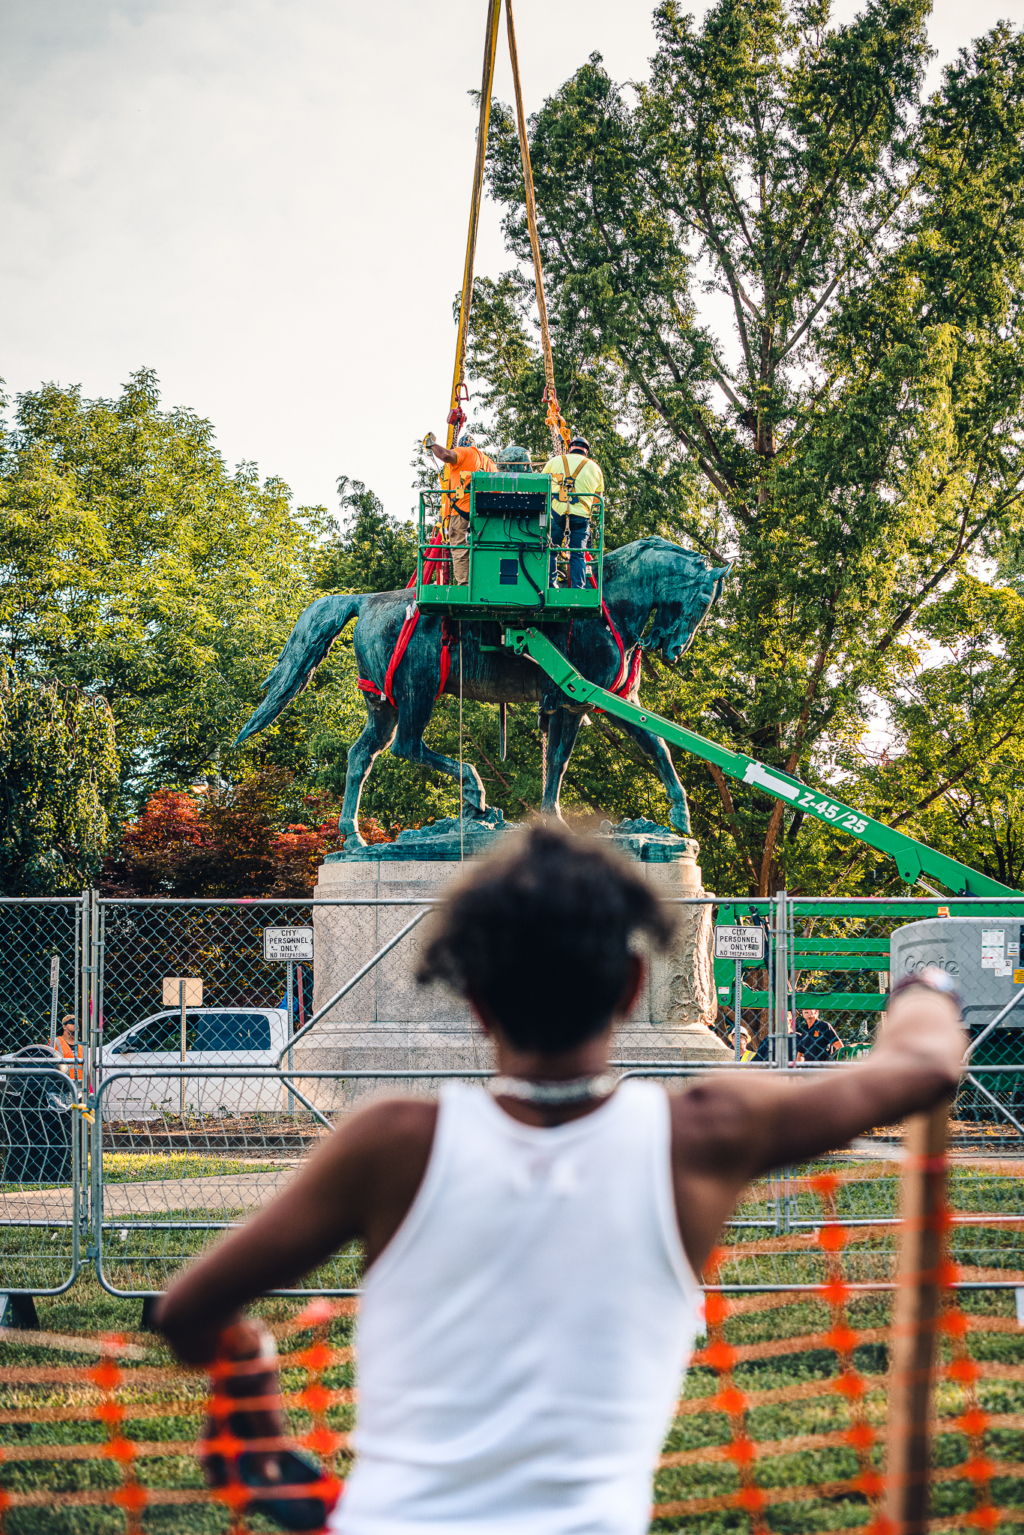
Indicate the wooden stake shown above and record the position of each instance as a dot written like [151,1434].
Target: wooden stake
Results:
[918,1299]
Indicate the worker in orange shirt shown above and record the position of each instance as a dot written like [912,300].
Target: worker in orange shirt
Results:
[66,1046]
[460,462]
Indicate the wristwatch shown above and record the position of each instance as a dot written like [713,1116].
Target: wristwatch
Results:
[933,979]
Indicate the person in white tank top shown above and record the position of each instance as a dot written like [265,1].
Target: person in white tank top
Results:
[532,1252]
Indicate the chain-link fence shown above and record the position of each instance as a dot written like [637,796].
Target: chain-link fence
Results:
[220,1040]
[41,969]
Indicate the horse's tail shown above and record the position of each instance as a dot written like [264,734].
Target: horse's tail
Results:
[315,632]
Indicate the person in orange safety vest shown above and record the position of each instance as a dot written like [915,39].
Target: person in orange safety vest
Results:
[460,462]
[66,1046]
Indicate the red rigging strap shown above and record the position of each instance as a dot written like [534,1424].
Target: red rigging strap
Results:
[412,618]
[625,677]
[435,558]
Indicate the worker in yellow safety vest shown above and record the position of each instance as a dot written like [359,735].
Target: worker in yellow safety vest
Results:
[66,1046]
[575,481]
[459,463]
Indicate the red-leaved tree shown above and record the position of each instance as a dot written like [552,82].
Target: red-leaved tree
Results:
[230,842]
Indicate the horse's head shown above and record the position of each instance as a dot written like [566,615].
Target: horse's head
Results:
[684,588]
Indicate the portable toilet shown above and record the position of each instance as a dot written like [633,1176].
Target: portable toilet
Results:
[985,957]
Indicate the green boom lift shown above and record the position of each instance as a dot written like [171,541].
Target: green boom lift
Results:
[509,549]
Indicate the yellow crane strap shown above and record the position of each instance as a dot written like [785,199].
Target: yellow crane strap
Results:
[490,48]
[559,430]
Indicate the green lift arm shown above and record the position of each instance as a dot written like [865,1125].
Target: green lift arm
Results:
[913,859]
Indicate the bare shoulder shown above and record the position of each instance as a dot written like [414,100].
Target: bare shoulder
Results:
[397,1116]
[392,1126]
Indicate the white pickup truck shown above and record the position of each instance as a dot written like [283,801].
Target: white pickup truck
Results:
[229,1037]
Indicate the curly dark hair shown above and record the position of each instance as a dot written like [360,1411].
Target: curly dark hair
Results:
[540,933]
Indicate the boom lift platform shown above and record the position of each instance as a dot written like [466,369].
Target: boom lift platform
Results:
[509,552]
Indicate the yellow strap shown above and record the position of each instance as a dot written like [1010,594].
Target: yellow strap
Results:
[559,430]
[554,415]
[490,47]
[569,480]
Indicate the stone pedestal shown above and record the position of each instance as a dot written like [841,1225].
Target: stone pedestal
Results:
[389,1023]
[673,1015]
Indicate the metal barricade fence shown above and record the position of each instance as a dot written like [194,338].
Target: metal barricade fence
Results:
[181,1146]
[42,968]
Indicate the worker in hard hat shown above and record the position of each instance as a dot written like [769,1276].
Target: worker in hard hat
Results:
[460,462]
[575,481]
[66,1046]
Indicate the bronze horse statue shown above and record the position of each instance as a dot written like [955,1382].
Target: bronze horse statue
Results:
[650,576]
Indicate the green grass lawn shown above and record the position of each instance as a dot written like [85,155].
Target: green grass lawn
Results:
[146,1258]
[88,1309]
[144,1167]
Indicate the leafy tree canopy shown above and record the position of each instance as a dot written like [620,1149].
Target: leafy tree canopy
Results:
[137,567]
[259,837]
[785,294]
[58,783]
[373,552]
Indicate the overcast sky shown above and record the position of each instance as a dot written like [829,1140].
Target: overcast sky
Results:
[266,201]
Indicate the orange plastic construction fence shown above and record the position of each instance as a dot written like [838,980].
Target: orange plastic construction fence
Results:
[122,1387]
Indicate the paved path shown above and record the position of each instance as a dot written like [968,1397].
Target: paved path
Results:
[218,1195]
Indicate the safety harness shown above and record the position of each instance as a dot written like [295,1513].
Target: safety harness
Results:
[569,480]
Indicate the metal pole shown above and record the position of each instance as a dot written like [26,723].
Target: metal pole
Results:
[54,987]
[737,1010]
[289,1004]
[87,1200]
[781,998]
[181,1001]
[986,1031]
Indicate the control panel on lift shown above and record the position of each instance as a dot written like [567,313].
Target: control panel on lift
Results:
[509,555]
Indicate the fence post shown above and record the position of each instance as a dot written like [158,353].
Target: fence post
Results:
[780,999]
[915,1312]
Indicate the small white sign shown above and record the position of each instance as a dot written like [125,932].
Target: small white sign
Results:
[285,944]
[1004,970]
[739,943]
[54,972]
[989,961]
[193,990]
[993,937]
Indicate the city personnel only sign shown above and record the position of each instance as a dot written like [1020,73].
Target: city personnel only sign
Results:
[283,945]
[739,943]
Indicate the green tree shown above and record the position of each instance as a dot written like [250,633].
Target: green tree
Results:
[135,566]
[372,552]
[785,296]
[956,780]
[58,784]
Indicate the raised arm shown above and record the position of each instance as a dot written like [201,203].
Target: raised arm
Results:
[446,455]
[728,1129]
